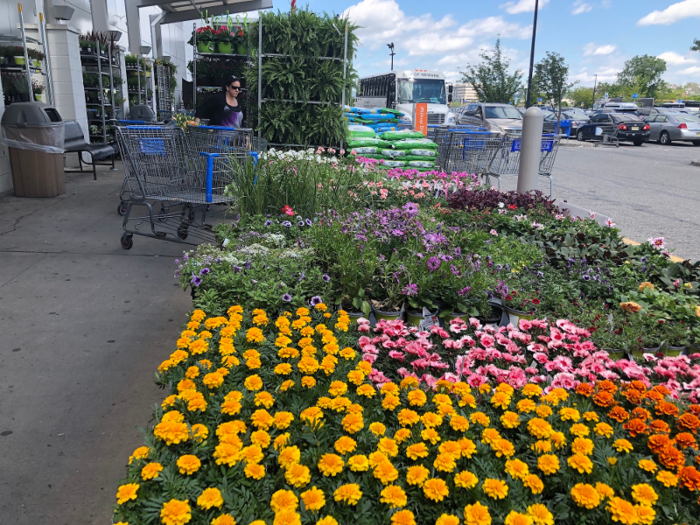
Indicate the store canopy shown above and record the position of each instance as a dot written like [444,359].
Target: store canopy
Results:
[183,10]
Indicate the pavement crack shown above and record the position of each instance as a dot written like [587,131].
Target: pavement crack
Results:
[19,219]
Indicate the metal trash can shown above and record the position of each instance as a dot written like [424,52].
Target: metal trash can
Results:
[34,133]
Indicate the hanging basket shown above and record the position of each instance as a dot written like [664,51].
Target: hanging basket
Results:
[205,47]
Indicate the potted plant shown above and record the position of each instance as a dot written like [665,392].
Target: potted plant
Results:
[205,39]
[387,292]
[241,42]
[224,40]
[36,56]
[38,89]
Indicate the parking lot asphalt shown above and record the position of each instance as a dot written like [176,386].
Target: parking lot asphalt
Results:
[648,191]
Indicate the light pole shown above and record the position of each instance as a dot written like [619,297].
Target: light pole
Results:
[595,84]
[391,48]
[532,56]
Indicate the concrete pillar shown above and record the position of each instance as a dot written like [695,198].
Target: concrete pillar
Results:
[530,150]
[5,171]
[133,24]
[100,15]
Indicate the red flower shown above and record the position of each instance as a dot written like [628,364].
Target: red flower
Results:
[514,293]
[288,210]
[509,298]
[535,301]
[513,207]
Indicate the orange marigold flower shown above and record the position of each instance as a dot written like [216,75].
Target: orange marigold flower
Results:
[641,413]
[584,389]
[658,442]
[689,422]
[619,414]
[667,409]
[689,478]
[685,440]
[671,458]
[604,399]
[659,427]
[635,427]
[622,511]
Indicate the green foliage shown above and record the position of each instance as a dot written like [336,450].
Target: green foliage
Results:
[552,78]
[642,74]
[581,95]
[491,79]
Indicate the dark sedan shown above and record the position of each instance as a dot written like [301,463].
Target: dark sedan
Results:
[577,119]
[628,128]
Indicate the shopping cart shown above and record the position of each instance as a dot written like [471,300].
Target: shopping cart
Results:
[471,151]
[506,162]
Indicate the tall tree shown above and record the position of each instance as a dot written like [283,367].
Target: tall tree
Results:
[581,95]
[642,74]
[552,74]
[696,45]
[491,79]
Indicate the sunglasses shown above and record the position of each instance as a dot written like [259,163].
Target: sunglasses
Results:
[235,87]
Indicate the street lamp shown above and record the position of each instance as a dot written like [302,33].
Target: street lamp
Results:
[391,48]
[532,56]
[595,84]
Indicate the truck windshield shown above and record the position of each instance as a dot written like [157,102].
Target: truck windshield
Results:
[414,91]
[503,112]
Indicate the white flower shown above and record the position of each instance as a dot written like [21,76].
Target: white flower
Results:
[609,223]
[501,205]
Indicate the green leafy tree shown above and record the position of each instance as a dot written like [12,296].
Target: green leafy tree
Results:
[552,74]
[696,45]
[491,79]
[581,95]
[642,74]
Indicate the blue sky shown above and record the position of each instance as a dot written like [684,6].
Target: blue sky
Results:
[595,36]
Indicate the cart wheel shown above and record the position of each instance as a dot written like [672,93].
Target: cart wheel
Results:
[163,215]
[182,233]
[127,241]
[191,215]
[121,209]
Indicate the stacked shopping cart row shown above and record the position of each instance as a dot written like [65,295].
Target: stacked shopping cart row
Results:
[183,172]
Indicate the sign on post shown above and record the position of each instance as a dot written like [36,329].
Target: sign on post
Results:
[539,99]
[420,117]
[636,95]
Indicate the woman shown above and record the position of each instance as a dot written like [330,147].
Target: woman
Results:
[223,109]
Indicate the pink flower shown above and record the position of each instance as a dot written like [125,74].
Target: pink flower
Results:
[396,355]
[494,233]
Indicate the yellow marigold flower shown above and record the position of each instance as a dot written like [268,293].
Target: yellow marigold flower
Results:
[385,472]
[585,495]
[605,491]
[281,441]
[338,388]
[390,402]
[579,430]
[356,377]
[151,471]
[231,427]
[417,475]
[539,428]
[330,464]
[347,353]
[645,515]
[417,451]
[289,456]
[466,480]
[345,444]
[252,454]
[349,494]
[459,423]
[166,365]
[558,439]
[495,488]
[308,382]
[403,517]
[445,463]
[298,475]
[667,479]
[188,464]
[531,390]
[591,416]
[224,519]
[503,447]
[468,447]
[644,494]
[127,492]
[254,470]
[447,519]
[408,417]
[283,369]
[452,448]
[171,432]
[484,388]
[622,445]
[186,384]
[282,420]
[353,423]
[580,463]
[541,446]
[288,353]
[501,400]
[311,416]
[209,498]
[366,391]
[435,489]
[314,499]
[253,383]
[175,512]
[490,436]
[255,335]
[198,316]
[192,325]
[284,500]
[198,346]
[286,385]
[540,514]
[582,446]
[139,453]
[477,514]
[262,419]
[467,400]
[622,511]
[518,518]
[510,419]
[264,399]
[517,469]
[430,434]
[260,438]
[543,411]
[648,465]
[569,414]
[548,464]
[388,447]
[393,496]
[328,520]
[358,463]
[402,435]
[417,398]
[534,483]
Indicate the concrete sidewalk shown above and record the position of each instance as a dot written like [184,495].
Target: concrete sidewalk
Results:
[84,325]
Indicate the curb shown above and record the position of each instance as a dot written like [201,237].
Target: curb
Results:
[635,243]
[695,162]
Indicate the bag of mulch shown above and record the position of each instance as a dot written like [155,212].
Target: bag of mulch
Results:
[401,135]
[393,153]
[394,163]
[378,116]
[368,142]
[422,152]
[419,158]
[366,111]
[359,131]
[420,164]
[394,112]
[365,150]
[415,143]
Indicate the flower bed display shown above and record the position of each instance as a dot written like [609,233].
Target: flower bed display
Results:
[278,420]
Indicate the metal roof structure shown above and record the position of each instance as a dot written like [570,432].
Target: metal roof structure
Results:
[183,10]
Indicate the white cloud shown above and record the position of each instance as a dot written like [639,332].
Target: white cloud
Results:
[694,70]
[593,50]
[522,6]
[605,74]
[674,59]
[581,7]
[673,13]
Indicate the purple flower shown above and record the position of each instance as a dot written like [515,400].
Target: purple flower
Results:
[303,276]
[309,223]
[268,222]
[419,255]
[411,208]
[247,265]
[316,300]
[196,280]
[177,261]
[286,297]
[185,257]
[287,224]
[204,271]
[454,270]
[236,269]
[433,264]
[410,289]
[300,224]
[464,291]
[326,277]
[458,251]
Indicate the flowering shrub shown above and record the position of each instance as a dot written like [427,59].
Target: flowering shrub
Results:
[277,421]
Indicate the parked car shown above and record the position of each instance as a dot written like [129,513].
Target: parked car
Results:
[647,112]
[669,127]
[629,128]
[577,118]
[500,118]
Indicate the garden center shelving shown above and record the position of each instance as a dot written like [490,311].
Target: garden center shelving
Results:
[164,99]
[19,75]
[103,99]
[140,69]
[262,100]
